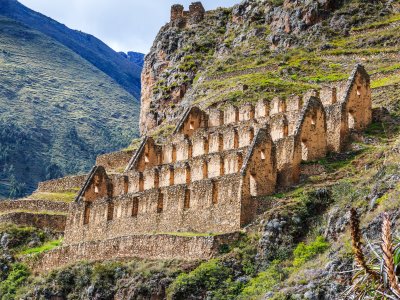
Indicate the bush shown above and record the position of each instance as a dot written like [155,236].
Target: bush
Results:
[15,279]
[304,252]
[21,236]
[209,276]
[263,282]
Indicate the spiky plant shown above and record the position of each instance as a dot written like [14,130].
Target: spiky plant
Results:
[358,245]
[388,256]
[376,276]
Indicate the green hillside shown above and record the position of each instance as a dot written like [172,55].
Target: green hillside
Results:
[57,111]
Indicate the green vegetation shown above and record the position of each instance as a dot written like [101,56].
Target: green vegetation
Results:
[304,253]
[15,279]
[389,80]
[57,113]
[210,276]
[263,282]
[19,237]
[375,25]
[50,245]
[187,234]
[61,197]
[41,212]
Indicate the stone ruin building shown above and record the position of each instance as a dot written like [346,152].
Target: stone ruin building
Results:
[210,176]
[182,18]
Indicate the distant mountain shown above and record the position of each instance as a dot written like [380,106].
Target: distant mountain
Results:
[124,71]
[57,110]
[136,58]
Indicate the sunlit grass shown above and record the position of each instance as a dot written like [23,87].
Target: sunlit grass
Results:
[43,248]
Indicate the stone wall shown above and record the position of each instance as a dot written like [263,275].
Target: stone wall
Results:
[162,247]
[62,184]
[181,18]
[211,205]
[116,161]
[43,221]
[33,205]
[208,175]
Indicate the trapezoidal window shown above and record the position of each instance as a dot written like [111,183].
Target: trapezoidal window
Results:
[236,114]
[135,207]
[351,119]
[86,214]
[126,184]
[96,189]
[110,211]
[235,139]
[156,178]
[191,125]
[205,145]
[220,142]
[304,150]
[190,150]
[171,176]
[173,158]
[253,185]
[186,204]
[358,91]
[160,203]
[263,155]
[252,112]
[205,169]
[141,182]
[146,159]
[285,130]
[214,193]
[314,122]
[188,175]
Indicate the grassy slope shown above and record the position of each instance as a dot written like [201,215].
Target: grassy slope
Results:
[63,110]
[296,70]
[124,72]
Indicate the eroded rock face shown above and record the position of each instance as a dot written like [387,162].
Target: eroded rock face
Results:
[178,50]
[161,56]
[183,52]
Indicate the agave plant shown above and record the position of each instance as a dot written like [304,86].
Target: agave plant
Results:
[376,276]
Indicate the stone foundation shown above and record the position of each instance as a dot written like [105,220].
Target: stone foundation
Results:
[115,161]
[62,184]
[157,247]
[42,221]
[34,206]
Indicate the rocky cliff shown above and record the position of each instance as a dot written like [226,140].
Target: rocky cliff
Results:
[257,36]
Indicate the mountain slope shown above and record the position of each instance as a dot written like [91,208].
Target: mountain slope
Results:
[274,48]
[123,71]
[57,111]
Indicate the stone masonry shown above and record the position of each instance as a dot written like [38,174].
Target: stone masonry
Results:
[210,175]
[181,18]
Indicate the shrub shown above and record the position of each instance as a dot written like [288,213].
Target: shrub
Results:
[20,236]
[15,279]
[209,276]
[263,282]
[304,252]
